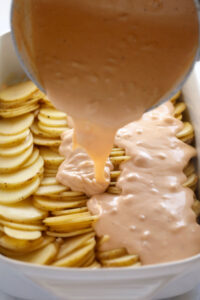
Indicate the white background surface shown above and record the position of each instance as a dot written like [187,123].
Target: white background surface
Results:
[5,27]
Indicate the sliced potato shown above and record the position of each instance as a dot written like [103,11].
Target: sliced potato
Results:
[44,241]
[111,253]
[9,140]
[23,212]
[175,97]
[9,196]
[69,211]
[179,109]
[42,256]
[19,105]
[52,113]
[17,150]
[35,129]
[32,159]
[46,101]
[20,226]
[22,234]
[14,112]
[76,257]
[70,194]
[191,181]
[73,243]
[117,160]
[52,122]
[67,197]
[22,176]
[124,261]
[94,265]
[15,125]
[117,153]
[186,131]
[50,189]
[50,205]
[69,234]
[114,190]
[8,164]
[70,220]
[89,259]
[18,245]
[49,181]
[49,174]
[46,141]
[54,131]
[51,157]
[18,92]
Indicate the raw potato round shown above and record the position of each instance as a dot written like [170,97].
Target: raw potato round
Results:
[35,129]
[52,122]
[187,130]
[175,97]
[8,164]
[18,105]
[17,150]
[46,141]
[69,234]
[75,258]
[23,212]
[22,234]
[10,140]
[49,181]
[34,156]
[73,244]
[69,211]
[54,131]
[50,205]
[50,157]
[19,226]
[70,220]
[50,189]
[15,125]
[22,176]
[9,196]
[18,245]
[14,112]
[35,245]
[42,256]
[52,113]
[19,92]
[124,261]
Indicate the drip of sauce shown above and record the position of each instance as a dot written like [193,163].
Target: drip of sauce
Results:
[152,216]
[77,170]
[105,62]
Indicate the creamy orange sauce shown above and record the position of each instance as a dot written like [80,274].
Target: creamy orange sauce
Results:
[105,62]
[152,216]
[77,170]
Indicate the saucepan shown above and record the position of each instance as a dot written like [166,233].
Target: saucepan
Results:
[32,282]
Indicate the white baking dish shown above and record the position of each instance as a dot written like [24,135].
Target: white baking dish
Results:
[47,283]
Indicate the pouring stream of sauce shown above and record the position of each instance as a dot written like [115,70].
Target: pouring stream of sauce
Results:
[105,62]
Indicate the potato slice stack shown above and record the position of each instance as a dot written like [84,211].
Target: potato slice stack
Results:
[21,168]
[48,126]
[69,219]
[19,99]
[20,163]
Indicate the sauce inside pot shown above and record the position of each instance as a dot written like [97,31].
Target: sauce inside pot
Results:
[105,62]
